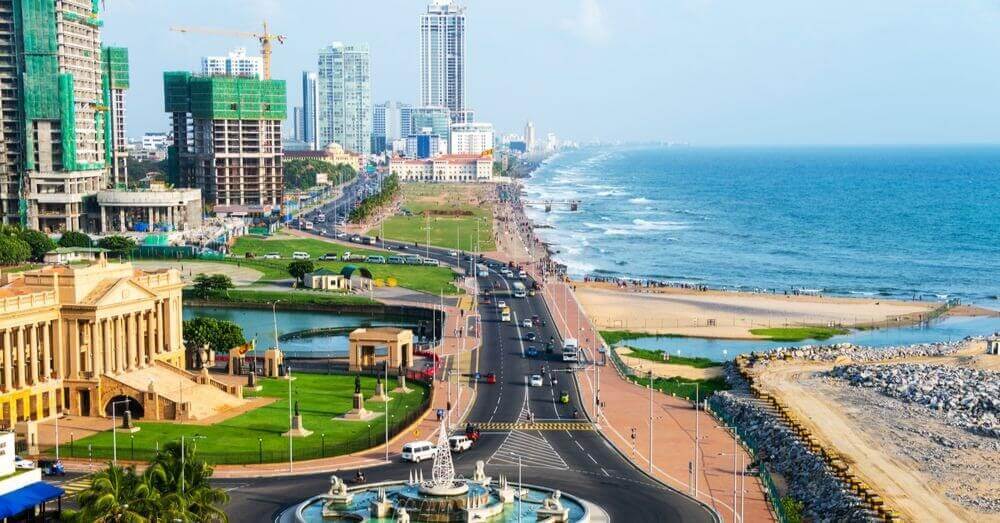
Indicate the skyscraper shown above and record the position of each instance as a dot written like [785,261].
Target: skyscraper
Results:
[114,68]
[310,110]
[236,63]
[391,122]
[53,114]
[442,58]
[345,97]
[529,137]
[297,124]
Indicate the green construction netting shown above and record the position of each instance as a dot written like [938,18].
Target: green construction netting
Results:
[37,20]
[175,92]
[226,97]
[115,61]
[67,121]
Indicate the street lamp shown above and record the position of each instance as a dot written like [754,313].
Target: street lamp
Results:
[322,451]
[697,435]
[114,430]
[184,457]
[734,454]
[260,450]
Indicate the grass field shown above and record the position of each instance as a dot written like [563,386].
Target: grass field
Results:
[293,297]
[798,333]
[454,212]
[684,388]
[423,278]
[240,439]
[656,355]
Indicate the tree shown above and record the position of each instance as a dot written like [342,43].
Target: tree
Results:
[299,268]
[219,335]
[205,284]
[300,173]
[13,250]
[115,494]
[120,246]
[75,239]
[38,241]
[202,502]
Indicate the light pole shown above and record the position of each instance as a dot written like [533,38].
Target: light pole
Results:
[735,453]
[288,373]
[651,422]
[114,431]
[697,435]
[184,457]
[386,414]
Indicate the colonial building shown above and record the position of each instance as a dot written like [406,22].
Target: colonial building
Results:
[70,336]
[449,168]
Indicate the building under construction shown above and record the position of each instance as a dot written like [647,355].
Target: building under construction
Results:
[114,71]
[227,140]
[54,121]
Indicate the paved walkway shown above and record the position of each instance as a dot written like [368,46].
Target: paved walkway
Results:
[626,406]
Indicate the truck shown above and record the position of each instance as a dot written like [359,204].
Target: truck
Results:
[570,350]
[482,271]
[518,290]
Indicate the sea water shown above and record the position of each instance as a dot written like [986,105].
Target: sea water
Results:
[900,222]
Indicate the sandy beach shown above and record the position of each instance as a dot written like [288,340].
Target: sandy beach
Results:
[731,315]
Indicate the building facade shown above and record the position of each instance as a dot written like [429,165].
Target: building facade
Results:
[449,168]
[470,138]
[437,119]
[148,210]
[345,97]
[529,137]
[333,154]
[236,63]
[114,69]
[425,145]
[68,334]
[227,140]
[442,57]
[310,110]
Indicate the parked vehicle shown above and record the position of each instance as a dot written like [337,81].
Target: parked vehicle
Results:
[570,350]
[396,260]
[346,256]
[356,238]
[330,256]
[417,451]
[459,443]
[309,226]
[299,255]
[21,463]
[431,261]
[272,256]
[413,259]
[375,259]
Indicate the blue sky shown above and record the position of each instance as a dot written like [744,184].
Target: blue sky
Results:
[701,71]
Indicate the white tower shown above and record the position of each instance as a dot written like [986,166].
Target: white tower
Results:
[442,58]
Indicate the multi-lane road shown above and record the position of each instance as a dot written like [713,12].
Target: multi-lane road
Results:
[563,452]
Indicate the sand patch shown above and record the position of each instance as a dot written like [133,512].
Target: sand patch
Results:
[241,276]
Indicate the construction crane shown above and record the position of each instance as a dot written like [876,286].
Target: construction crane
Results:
[265,38]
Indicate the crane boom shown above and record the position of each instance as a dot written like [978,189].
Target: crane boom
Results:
[265,38]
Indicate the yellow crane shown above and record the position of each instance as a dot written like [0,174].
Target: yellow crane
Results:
[265,38]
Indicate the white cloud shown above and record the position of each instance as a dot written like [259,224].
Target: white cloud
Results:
[588,23]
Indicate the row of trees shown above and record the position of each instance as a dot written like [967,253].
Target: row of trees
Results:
[371,204]
[170,489]
[300,173]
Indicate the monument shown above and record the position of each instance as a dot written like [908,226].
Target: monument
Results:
[297,430]
[380,395]
[401,387]
[358,412]
[127,425]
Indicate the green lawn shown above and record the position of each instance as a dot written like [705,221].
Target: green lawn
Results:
[295,297]
[239,439]
[424,278]
[452,222]
[684,388]
[656,355]
[613,337]
[798,333]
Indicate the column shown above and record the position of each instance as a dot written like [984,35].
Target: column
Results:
[59,348]
[121,219]
[104,220]
[74,350]
[167,335]
[33,350]
[170,214]
[8,361]
[108,346]
[140,339]
[149,213]
[130,362]
[159,326]
[20,357]
[119,344]
[47,349]
[96,351]
[150,335]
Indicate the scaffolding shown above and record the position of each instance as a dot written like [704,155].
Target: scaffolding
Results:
[115,61]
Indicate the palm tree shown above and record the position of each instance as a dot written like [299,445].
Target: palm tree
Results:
[197,500]
[115,494]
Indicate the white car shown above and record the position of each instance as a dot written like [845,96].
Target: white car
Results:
[272,256]
[526,323]
[459,443]
[501,304]
[417,451]
[298,255]
[535,380]
[453,254]
[22,463]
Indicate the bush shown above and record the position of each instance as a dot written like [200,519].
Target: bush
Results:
[75,239]
[205,284]
[299,268]
[13,250]
[220,335]
[38,241]
[117,245]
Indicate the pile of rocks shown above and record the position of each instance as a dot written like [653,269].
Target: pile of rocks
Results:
[859,353]
[968,398]
[809,479]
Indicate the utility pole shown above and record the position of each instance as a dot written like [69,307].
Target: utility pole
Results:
[651,422]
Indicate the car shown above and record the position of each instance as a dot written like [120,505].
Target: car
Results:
[563,397]
[402,247]
[535,380]
[531,293]
[346,256]
[375,259]
[452,254]
[526,323]
[431,261]
[491,378]
[272,256]
[330,256]
[501,304]
[531,352]
[356,238]
[521,274]
[21,463]
[341,235]
[531,336]
[395,260]
[459,443]
[299,255]
[417,451]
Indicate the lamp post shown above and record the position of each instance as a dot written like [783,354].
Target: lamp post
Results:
[650,422]
[735,454]
[386,414]
[369,434]
[322,451]
[291,457]
[260,450]
[697,435]
[184,457]
[114,431]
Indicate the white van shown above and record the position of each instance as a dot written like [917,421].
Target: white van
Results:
[417,451]
[299,255]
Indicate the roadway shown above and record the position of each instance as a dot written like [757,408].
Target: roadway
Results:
[566,455]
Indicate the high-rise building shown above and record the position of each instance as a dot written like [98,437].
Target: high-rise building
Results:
[114,68]
[236,63]
[227,140]
[297,124]
[378,128]
[470,138]
[442,58]
[345,97]
[436,118]
[310,110]
[391,121]
[53,123]
[529,137]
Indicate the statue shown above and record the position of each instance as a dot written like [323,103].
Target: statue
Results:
[402,516]
[335,485]
[357,384]
[552,502]
[296,407]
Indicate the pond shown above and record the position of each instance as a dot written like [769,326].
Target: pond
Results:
[947,329]
[296,335]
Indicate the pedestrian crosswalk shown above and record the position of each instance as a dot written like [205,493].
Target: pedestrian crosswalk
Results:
[494,426]
[74,486]
[527,449]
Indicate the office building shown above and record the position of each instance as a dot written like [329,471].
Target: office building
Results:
[310,110]
[442,57]
[448,168]
[236,63]
[425,144]
[345,106]
[470,138]
[378,128]
[438,119]
[227,140]
[529,137]
[297,124]
[154,141]
[114,69]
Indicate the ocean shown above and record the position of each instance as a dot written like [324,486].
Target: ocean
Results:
[877,221]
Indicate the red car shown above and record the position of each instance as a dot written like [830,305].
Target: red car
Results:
[491,378]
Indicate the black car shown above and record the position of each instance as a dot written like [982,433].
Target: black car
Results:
[531,336]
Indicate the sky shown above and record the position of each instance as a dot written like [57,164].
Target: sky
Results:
[706,72]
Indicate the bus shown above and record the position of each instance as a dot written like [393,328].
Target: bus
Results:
[570,350]
[519,289]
